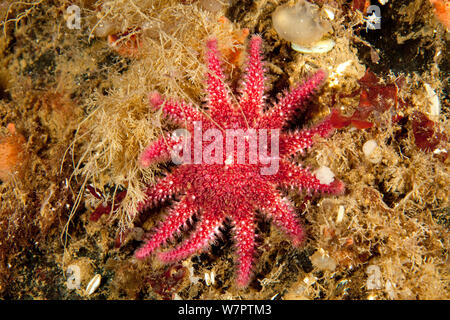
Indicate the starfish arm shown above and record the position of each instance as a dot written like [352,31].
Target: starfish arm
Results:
[202,236]
[244,233]
[292,143]
[283,216]
[219,104]
[285,108]
[252,98]
[179,112]
[182,114]
[159,150]
[290,175]
[164,188]
[177,217]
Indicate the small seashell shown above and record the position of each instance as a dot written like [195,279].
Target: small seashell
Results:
[309,280]
[435,104]
[210,278]
[322,46]
[374,279]
[439,151]
[325,175]
[341,68]
[340,215]
[372,151]
[177,297]
[73,277]
[329,13]
[93,284]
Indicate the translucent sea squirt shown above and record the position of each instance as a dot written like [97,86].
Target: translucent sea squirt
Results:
[302,25]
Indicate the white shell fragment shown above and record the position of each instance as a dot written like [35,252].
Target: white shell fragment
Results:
[340,215]
[435,104]
[340,69]
[439,151]
[177,297]
[73,277]
[322,46]
[210,278]
[329,12]
[93,284]
[372,151]
[309,280]
[324,175]
[374,279]
[337,73]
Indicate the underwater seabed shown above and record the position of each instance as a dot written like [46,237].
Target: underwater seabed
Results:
[75,80]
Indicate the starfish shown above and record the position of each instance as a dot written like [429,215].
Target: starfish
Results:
[216,189]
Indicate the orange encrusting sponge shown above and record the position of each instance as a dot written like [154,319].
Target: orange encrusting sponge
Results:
[442,11]
[11,153]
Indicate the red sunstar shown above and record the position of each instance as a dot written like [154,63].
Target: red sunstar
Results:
[230,192]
